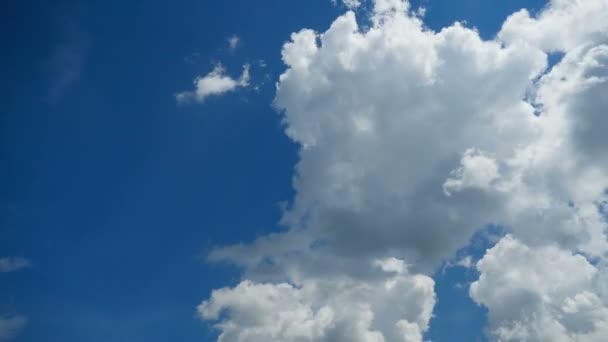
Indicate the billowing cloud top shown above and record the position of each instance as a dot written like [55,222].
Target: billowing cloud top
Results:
[410,142]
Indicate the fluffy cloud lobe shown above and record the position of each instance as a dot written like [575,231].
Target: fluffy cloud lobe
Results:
[395,307]
[412,140]
[542,294]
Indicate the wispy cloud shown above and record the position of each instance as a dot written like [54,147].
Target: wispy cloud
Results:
[13,264]
[234,42]
[67,59]
[10,327]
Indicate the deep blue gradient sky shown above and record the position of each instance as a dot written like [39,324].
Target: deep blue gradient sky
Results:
[115,192]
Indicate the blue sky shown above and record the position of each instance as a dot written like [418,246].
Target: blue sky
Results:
[115,193]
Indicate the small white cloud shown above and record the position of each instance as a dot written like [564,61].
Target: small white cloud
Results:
[213,84]
[421,11]
[233,42]
[10,327]
[13,264]
[350,4]
[466,262]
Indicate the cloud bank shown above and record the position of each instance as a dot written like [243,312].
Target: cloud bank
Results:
[410,142]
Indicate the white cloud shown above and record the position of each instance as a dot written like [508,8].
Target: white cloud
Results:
[214,83]
[385,6]
[477,171]
[563,25]
[350,4]
[466,262]
[410,141]
[534,285]
[395,307]
[10,327]
[233,42]
[384,116]
[13,264]
[541,294]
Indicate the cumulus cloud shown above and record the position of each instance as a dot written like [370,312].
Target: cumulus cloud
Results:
[537,285]
[13,264]
[410,142]
[10,327]
[392,118]
[214,83]
[562,26]
[541,294]
[395,307]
